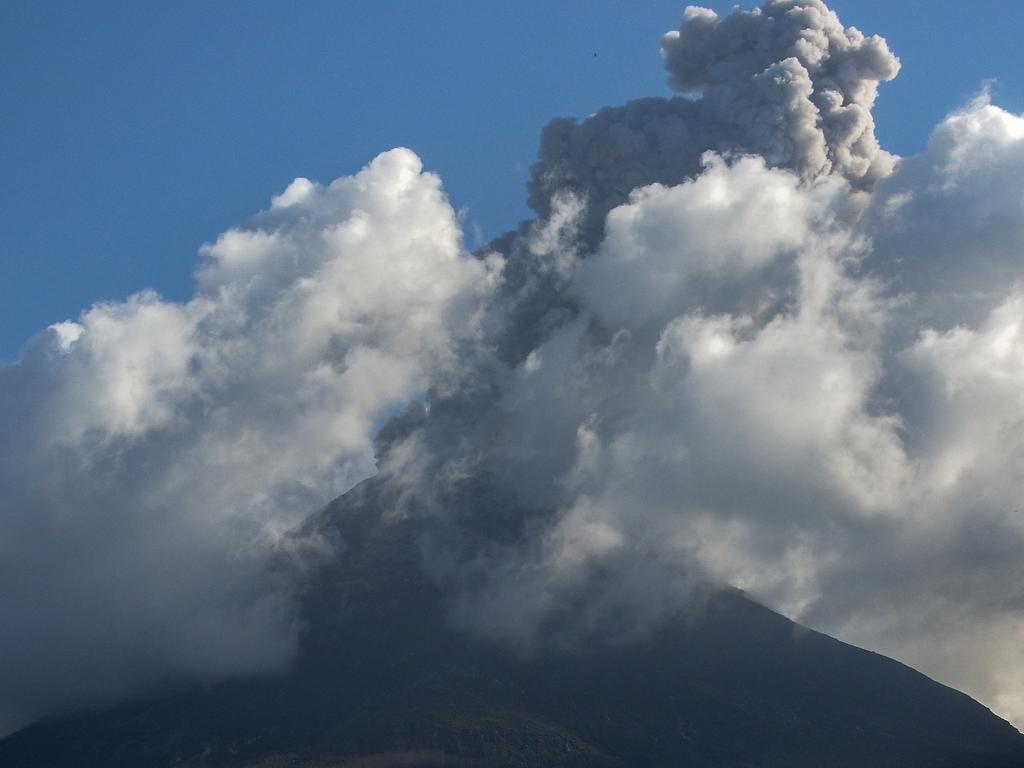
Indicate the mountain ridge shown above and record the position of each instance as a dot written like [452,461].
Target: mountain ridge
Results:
[384,678]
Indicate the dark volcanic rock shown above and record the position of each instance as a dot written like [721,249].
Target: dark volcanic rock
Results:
[384,680]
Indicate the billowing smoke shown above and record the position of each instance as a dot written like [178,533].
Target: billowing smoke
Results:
[786,82]
[740,344]
[796,84]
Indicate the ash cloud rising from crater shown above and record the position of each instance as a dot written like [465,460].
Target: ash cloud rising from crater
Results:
[739,344]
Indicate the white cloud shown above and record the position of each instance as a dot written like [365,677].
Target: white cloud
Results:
[752,393]
[705,244]
[948,227]
[156,451]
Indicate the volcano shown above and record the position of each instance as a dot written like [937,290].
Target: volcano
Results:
[384,677]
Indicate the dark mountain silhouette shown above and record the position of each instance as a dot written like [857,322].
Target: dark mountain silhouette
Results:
[383,679]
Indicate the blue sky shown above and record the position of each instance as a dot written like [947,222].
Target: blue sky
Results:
[130,133]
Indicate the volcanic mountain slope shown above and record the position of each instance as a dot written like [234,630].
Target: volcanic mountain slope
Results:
[384,679]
